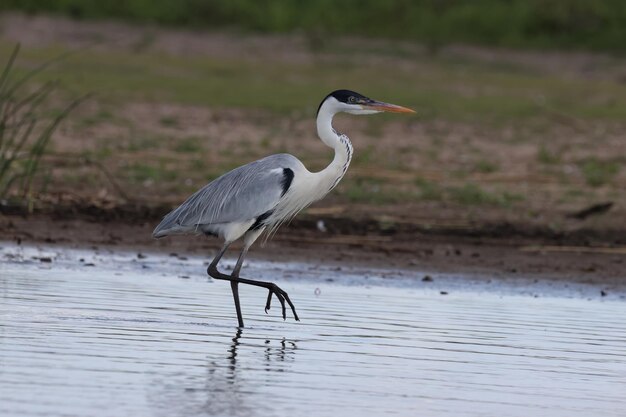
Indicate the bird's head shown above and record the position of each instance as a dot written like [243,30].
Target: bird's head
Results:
[354,103]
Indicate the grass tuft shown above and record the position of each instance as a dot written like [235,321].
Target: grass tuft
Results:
[546,157]
[598,173]
[25,127]
[471,194]
[486,167]
[428,190]
[191,144]
[169,121]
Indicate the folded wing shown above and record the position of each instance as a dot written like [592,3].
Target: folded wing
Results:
[242,194]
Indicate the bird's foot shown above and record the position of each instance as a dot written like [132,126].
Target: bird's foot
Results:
[282,296]
[271,287]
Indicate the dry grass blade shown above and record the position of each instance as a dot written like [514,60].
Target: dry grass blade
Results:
[23,140]
[39,147]
[7,70]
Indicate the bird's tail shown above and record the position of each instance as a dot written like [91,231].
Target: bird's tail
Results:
[157,234]
[167,227]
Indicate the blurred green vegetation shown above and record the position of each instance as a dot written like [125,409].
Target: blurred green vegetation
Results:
[598,173]
[468,194]
[571,24]
[496,134]
[444,88]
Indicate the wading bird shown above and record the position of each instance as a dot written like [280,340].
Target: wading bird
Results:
[258,197]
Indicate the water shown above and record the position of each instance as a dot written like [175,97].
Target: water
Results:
[130,337]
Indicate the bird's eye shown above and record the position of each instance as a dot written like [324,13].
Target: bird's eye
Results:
[351,99]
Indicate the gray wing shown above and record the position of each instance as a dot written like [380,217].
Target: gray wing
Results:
[244,193]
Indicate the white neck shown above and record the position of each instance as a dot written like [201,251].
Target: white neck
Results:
[331,175]
[313,186]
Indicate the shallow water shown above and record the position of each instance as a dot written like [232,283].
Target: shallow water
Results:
[134,336]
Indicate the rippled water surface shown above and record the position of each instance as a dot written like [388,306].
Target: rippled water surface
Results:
[128,337]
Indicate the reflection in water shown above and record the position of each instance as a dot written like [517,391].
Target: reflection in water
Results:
[282,353]
[231,359]
[233,351]
[226,389]
[138,343]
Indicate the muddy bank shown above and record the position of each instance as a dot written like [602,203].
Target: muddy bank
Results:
[335,222]
[502,251]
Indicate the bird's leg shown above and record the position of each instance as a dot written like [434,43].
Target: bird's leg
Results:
[216,260]
[234,285]
[235,279]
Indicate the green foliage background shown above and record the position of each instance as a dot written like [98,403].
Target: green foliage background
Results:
[563,24]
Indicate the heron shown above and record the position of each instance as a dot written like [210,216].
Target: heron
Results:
[262,195]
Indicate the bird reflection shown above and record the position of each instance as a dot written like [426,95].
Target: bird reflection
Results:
[232,379]
[233,382]
[232,357]
[281,353]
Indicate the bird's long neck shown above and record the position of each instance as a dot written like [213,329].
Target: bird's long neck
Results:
[332,174]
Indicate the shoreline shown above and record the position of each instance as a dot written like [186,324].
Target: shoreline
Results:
[419,253]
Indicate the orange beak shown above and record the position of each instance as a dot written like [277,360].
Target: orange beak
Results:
[391,108]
